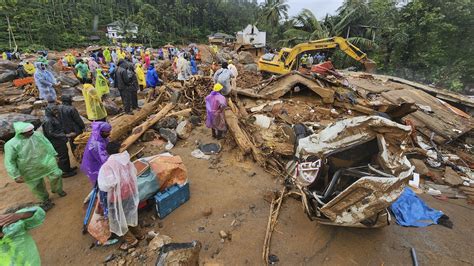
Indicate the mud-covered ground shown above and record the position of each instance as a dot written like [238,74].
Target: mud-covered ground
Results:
[235,191]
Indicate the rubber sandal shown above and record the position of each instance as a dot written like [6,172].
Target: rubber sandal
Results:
[127,246]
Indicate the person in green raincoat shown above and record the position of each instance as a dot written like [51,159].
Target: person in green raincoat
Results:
[29,158]
[17,247]
[101,83]
[107,55]
[94,107]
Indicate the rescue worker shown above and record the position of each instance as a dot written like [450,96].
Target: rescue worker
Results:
[101,83]
[118,178]
[29,158]
[4,56]
[29,68]
[304,61]
[94,107]
[82,72]
[146,60]
[223,76]
[17,247]
[45,81]
[125,81]
[140,76]
[152,78]
[95,154]
[235,73]
[107,55]
[194,68]
[70,119]
[54,131]
[215,105]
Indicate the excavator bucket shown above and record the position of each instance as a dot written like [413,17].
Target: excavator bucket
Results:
[370,66]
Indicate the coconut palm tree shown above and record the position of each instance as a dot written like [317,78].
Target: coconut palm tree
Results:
[306,27]
[274,11]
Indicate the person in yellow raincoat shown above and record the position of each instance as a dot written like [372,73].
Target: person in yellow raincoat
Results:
[140,75]
[101,83]
[4,56]
[107,56]
[120,54]
[29,68]
[71,60]
[94,107]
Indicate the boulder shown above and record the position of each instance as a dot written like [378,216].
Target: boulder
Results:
[169,135]
[180,254]
[246,58]
[7,75]
[149,135]
[114,92]
[7,65]
[167,122]
[251,68]
[66,80]
[195,120]
[157,242]
[111,107]
[184,129]
[7,120]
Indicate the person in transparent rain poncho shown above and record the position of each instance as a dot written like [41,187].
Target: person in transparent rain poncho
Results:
[118,178]
[215,105]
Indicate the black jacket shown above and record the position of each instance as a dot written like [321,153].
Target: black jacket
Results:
[123,77]
[71,119]
[52,127]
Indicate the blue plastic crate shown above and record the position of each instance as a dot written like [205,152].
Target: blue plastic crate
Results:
[170,199]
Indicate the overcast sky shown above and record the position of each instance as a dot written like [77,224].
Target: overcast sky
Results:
[319,7]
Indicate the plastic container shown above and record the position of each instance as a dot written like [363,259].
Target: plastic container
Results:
[170,199]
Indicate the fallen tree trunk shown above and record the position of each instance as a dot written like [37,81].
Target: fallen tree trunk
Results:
[239,136]
[139,130]
[121,125]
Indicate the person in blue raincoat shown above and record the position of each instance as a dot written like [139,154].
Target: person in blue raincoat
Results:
[45,81]
[194,69]
[152,79]
[17,247]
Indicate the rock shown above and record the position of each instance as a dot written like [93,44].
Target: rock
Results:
[167,122]
[121,262]
[149,135]
[141,102]
[223,234]
[246,58]
[251,68]
[151,234]
[66,80]
[252,206]
[195,120]
[7,120]
[114,92]
[420,167]
[7,75]
[109,258]
[134,254]
[180,254]
[184,129]
[201,229]
[111,107]
[24,108]
[169,135]
[207,212]
[7,65]
[451,177]
[158,241]
[130,250]
[273,259]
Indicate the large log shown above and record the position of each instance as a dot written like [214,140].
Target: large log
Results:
[239,136]
[139,130]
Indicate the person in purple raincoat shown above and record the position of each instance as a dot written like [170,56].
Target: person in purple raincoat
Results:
[215,105]
[95,154]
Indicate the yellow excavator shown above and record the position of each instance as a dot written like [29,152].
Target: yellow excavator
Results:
[288,59]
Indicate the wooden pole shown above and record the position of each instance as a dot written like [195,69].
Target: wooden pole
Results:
[138,131]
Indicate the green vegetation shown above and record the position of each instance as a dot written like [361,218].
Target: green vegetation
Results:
[424,40]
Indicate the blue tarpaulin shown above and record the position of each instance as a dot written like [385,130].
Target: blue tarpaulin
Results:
[409,210]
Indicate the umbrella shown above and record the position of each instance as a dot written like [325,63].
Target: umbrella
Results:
[168,46]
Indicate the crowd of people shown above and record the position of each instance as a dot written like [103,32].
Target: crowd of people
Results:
[32,156]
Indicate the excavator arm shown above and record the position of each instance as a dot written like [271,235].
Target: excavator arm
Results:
[331,43]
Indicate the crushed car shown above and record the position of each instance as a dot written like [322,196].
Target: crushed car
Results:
[352,171]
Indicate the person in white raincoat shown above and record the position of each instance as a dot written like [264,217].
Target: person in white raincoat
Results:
[118,178]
